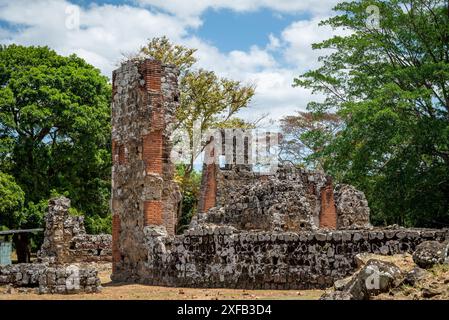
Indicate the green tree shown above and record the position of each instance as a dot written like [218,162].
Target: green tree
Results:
[305,135]
[55,127]
[207,101]
[390,85]
[190,191]
[12,199]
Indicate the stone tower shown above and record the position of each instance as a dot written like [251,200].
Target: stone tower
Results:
[145,98]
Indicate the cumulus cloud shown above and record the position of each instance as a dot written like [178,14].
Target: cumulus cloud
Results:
[274,92]
[299,38]
[185,8]
[106,32]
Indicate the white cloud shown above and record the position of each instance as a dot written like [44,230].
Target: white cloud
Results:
[299,38]
[274,42]
[274,92]
[105,31]
[183,8]
[108,31]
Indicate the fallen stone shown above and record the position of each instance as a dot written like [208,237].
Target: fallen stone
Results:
[414,276]
[339,285]
[430,253]
[374,278]
[428,293]
[361,259]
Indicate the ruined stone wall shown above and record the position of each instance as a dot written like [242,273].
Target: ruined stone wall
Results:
[221,256]
[291,199]
[352,208]
[66,240]
[145,97]
[299,199]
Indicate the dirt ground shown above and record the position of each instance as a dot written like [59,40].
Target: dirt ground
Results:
[435,285]
[112,291]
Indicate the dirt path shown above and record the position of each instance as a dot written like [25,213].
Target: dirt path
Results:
[112,291]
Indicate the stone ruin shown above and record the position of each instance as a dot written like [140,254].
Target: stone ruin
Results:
[61,266]
[291,199]
[290,230]
[66,240]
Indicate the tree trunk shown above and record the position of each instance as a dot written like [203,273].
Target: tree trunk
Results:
[22,244]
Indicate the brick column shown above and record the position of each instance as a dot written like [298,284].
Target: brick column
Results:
[208,194]
[115,240]
[153,212]
[152,152]
[328,214]
[152,143]
[144,103]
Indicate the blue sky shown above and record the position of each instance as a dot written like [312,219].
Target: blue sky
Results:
[229,30]
[265,42]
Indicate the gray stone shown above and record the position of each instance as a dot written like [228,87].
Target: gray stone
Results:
[429,253]
[374,278]
[414,276]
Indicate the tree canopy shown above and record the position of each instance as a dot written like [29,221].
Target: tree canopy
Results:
[207,101]
[390,85]
[55,127]
[12,199]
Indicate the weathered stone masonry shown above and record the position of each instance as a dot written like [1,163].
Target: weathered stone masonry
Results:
[145,97]
[291,199]
[66,240]
[253,231]
[221,256]
[222,186]
[61,266]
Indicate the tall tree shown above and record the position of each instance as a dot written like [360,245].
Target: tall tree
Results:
[389,82]
[305,135]
[55,127]
[12,199]
[207,101]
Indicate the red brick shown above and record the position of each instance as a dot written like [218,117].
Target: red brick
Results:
[116,255]
[210,188]
[153,74]
[114,152]
[152,152]
[122,156]
[328,214]
[152,212]
[157,113]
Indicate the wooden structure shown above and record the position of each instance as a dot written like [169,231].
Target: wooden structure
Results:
[6,244]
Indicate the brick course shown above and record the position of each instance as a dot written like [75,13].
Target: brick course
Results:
[328,214]
[115,238]
[152,152]
[153,212]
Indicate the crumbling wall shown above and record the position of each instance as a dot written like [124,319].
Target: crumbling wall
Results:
[289,200]
[222,256]
[352,208]
[145,97]
[66,248]
[66,240]
[44,278]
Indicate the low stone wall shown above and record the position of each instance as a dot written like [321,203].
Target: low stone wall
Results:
[90,248]
[222,256]
[60,279]
[66,240]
